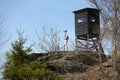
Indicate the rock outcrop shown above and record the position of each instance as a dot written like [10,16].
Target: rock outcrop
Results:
[70,61]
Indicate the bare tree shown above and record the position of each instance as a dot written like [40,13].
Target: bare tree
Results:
[110,18]
[2,34]
[48,40]
[3,40]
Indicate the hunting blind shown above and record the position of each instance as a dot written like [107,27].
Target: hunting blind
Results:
[87,27]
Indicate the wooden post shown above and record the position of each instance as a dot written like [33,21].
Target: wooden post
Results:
[76,44]
[87,45]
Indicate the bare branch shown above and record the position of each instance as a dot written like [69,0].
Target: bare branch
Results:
[48,39]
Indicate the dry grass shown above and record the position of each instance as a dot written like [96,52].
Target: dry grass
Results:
[94,73]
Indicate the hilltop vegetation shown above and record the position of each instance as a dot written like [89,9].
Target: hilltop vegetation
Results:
[19,65]
[22,64]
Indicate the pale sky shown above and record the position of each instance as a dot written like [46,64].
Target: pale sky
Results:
[32,14]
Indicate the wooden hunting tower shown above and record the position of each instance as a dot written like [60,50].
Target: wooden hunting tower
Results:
[87,27]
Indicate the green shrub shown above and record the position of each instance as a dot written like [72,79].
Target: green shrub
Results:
[19,67]
[29,71]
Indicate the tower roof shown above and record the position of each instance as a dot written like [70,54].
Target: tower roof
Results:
[85,9]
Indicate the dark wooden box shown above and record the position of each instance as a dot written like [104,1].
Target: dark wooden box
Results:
[87,22]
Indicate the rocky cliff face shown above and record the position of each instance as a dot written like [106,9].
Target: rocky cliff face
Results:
[79,65]
[70,61]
